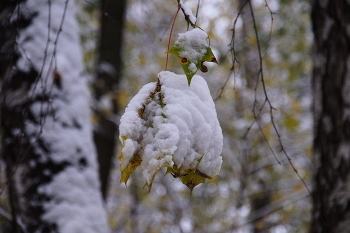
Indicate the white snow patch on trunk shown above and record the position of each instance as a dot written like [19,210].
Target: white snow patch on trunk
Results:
[76,203]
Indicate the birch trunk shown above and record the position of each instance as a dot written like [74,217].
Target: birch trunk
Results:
[47,141]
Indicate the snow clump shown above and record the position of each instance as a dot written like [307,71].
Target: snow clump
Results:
[170,124]
[192,45]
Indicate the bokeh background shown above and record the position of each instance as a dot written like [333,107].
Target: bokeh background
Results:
[124,44]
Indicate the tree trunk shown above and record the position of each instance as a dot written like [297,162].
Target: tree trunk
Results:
[106,84]
[331,106]
[46,131]
[250,56]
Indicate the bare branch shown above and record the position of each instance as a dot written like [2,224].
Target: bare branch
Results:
[169,40]
[268,209]
[233,54]
[261,75]
[197,11]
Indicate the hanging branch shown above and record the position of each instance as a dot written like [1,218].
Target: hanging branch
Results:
[260,79]
[233,54]
[198,3]
[267,100]
[169,40]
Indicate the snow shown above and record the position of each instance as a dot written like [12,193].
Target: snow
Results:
[192,67]
[132,121]
[188,12]
[192,44]
[107,68]
[178,126]
[65,130]
[75,188]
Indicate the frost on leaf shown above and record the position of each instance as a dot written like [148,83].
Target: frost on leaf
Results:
[173,125]
[192,49]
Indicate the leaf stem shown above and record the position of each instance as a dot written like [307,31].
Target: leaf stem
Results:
[171,32]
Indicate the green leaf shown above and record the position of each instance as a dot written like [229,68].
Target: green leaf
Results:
[209,56]
[192,51]
[174,50]
[191,177]
[189,68]
[192,180]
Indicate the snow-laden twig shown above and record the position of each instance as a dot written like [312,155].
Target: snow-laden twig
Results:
[189,17]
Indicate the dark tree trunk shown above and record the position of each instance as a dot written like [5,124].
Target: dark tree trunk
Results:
[250,57]
[14,147]
[331,107]
[108,76]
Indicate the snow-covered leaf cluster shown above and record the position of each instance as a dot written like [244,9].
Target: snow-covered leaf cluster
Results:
[170,124]
[192,49]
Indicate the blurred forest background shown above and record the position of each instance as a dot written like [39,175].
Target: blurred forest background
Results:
[254,193]
[124,44]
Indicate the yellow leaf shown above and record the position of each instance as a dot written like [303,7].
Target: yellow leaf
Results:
[130,168]
[192,180]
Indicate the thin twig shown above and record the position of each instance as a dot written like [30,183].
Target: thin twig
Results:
[43,113]
[45,52]
[261,75]
[257,116]
[270,34]
[221,89]
[169,40]
[233,53]
[198,3]
[285,201]
[265,138]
